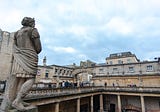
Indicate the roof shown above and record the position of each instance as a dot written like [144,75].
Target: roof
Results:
[121,55]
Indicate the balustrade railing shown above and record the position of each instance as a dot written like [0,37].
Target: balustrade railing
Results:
[51,92]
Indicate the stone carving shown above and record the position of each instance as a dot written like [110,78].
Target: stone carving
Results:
[26,48]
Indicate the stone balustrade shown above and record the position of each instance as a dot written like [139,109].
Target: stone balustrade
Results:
[53,92]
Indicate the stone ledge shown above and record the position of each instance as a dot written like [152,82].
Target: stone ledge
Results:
[30,110]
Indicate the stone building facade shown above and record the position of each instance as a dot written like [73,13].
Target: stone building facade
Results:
[6,42]
[54,74]
[137,74]
[127,74]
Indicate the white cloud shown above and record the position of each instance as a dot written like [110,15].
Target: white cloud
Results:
[80,33]
[63,49]
[77,30]
[85,21]
[82,57]
[119,25]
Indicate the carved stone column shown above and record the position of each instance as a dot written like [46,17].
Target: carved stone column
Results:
[78,105]
[119,103]
[91,103]
[57,107]
[101,103]
[142,104]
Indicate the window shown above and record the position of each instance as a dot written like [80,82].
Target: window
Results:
[46,75]
[60,71]
[111,62]
[115,70]
[63,72]
[131,69]
[120,62]
[128,60]
[149,68]
[101,71]
[56,70]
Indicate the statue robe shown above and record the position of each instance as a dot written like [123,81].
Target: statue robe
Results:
[26,48]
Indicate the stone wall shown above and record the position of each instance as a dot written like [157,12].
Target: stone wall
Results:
[6,42]
[0,38]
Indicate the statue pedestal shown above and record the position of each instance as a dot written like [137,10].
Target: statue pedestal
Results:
[30,110]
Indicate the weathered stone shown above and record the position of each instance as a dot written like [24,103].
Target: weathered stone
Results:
[22,65]
[30,110]
[6,42]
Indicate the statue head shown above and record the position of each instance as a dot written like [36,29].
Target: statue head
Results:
[28,21]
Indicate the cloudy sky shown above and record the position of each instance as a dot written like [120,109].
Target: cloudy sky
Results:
[78,30]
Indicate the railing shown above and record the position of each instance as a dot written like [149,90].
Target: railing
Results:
[53,92]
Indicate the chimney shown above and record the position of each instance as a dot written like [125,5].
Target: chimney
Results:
[44,61]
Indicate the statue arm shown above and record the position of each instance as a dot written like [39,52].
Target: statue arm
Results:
[36,39]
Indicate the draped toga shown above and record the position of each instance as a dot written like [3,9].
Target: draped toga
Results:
[25,52]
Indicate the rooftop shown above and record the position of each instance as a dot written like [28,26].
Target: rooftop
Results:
[121,55]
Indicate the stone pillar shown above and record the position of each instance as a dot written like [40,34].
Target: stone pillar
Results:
[78,105]
[101,102]
[142,104]
[91,103]
[57,107]
[105,102]
[58,74]
[119,103]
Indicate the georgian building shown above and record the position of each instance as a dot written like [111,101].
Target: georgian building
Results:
[119,74]
[137,74]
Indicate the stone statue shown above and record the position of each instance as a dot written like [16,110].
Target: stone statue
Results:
[26,48]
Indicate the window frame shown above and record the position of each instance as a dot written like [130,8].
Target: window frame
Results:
[149,68]
[131,69]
